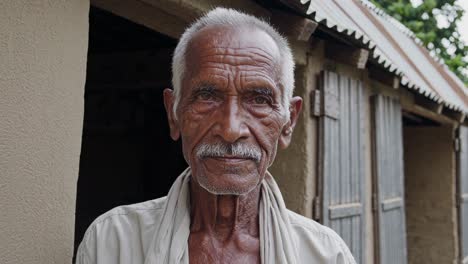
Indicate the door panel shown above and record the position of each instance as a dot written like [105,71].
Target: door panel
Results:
[341,159]
[388,180]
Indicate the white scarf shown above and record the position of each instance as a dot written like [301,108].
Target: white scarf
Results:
[170,242]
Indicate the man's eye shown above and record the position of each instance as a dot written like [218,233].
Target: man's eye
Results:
[205,96]
[261,100]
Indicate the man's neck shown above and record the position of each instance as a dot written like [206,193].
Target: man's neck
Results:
[224,216]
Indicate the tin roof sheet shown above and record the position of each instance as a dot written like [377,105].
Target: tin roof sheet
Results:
[393,46]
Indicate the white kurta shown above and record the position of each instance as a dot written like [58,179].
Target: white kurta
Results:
[157,231]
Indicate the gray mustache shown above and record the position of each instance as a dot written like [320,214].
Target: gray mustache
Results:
[221,149]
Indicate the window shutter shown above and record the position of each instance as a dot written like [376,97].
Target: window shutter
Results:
[341,159]
[388,180]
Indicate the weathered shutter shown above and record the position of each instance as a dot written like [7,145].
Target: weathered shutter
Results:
[462,164]
[341,172]
[388,180]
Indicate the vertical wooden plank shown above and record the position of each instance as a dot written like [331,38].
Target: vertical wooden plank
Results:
[401,184]
[388,170]
[388,180]
[401,173]
[344,152]
[353,89]
[462,171]
[324,157]
[379,141]
[393,215]
[362,120]
[337,158]
[336,141]
[354,184]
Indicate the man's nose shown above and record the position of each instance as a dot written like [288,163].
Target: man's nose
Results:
[231,122]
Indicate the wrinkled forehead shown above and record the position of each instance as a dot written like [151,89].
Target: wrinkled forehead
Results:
[244,42]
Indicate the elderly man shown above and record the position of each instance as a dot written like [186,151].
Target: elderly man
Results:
[232,105]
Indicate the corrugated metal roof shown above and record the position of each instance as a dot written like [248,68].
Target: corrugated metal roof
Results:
[394,47]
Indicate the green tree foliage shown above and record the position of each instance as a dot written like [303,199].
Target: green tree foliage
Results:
[443,38]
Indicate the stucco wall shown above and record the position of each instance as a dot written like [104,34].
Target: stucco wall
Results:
[43,47]
[295,167]
[430,195]
[292,167]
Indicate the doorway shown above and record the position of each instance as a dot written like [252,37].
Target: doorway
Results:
[430,182]
[127,155]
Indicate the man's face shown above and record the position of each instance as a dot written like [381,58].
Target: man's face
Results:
[230,115]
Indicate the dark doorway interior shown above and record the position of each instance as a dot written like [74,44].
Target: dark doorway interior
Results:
[127,155]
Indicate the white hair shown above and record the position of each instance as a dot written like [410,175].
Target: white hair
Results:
[233,18]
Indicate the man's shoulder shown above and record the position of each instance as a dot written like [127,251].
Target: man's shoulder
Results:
[309,225]
[137,210]
[128,227]
[145,214]
[315,237]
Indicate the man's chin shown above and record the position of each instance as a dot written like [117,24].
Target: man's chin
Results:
[234,177]
[227,187]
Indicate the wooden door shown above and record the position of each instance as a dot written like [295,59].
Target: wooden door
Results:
[341,159]
[388,181]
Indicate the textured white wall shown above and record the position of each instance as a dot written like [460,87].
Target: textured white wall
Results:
[43,49]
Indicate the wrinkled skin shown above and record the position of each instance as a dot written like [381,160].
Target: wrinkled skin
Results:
[230,93]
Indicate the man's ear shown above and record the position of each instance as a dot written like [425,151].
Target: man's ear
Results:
[169,99]
[295,107]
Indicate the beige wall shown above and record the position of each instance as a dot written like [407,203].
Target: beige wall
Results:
[295,167]
[430,195]
[43,47]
